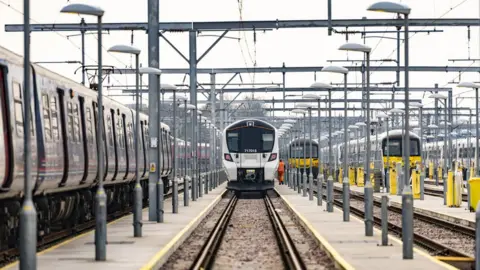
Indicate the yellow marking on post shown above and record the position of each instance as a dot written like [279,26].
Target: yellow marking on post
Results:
[170,244]
[329,249]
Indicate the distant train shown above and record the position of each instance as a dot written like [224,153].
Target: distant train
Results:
[250,155]
[298,158]
[64,152]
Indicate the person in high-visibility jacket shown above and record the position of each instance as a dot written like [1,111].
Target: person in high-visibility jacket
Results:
[281,171]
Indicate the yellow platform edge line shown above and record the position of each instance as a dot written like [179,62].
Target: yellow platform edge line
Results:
[329,249]
[398,241]
[159,255]
[69,240]
[455,259]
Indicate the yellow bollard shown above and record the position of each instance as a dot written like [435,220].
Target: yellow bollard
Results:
[393,181]
[474,193]
[351,175]
[360,177]
[430,171]
[416,184]
[450,190]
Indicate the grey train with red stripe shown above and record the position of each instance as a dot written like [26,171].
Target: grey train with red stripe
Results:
[64,151]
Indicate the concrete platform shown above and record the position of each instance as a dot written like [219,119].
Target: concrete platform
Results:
[345,241]
[431,205]
[159,240]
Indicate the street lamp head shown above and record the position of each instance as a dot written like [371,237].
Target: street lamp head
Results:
[335,69]
[298,111]
[321,85]
[390,7]
[167,86]
[416,105]
[356,47]
[437,96]
[381,114]
[432,126]
[304,105]
[468,85]
[181,98]
[396,110]
[124,49]
[199,112]
[360,124]
[188,106]
[83,9]
[287,125]
[149,70]
[353,127]
[311,96]
[290,121]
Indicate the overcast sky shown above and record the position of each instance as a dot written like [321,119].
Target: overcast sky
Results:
[295,47]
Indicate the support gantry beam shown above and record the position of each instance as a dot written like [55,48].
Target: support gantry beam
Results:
[247,25]
[351,100]
[307,89]
[306,69]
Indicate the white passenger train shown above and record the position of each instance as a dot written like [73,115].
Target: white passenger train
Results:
[250,155]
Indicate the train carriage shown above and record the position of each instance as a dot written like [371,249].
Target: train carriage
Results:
[250,155]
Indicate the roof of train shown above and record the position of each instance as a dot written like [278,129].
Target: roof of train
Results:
[250,119]
[16,59]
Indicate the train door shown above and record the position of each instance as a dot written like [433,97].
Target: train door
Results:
[5,162]
[66,134]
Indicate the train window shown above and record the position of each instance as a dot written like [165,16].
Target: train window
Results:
[70,121]
[54,112]
[109,130]
[89,125]
[76,117]
[250,140]
[17,99]
[415,147]
[233,141]
[393,148]
[46,117]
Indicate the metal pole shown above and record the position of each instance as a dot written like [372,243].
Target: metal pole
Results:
[304,174]
[212,131]
[310,174]
[384,220]
[101,197]
[407,196]
[82,32]
[186,182]
[137,224]
[200,178]
[175,156]
[368,190]
[153,93]
[330,150]
[160,187]
[193,101]
[477,167]
[346,184]
[28,214]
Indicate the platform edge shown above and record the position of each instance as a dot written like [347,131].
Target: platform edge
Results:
[332,253]
[159,258]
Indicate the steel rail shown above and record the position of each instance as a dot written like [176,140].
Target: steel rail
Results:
[206,257]
[290,255]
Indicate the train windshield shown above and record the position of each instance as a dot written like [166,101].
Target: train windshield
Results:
[297,151]
[395,146]
[250,140]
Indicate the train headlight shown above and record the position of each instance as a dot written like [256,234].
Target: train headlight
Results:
[228,157]
[272,157]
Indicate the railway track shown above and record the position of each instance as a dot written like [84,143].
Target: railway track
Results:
[10,255]
[207,257]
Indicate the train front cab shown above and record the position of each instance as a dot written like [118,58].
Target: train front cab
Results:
[251,163]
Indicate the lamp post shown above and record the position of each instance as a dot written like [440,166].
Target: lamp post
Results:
[444,98]
[100,197]
[474,86]
[407,196]
[345,186]
[309,178]
[175,151]
[291,123]
[368,190]
[186,181]
[303,175]
[137,192]
[381,115]
[320,85]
